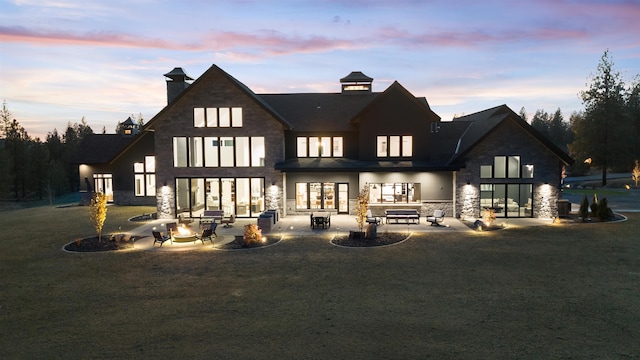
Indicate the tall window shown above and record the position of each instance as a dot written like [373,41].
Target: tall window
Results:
[506,167]
[315,146]
[225,151]
[243,197]
[145,177]
[394,146]
[217,117]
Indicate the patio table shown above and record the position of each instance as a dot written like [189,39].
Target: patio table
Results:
[320,219]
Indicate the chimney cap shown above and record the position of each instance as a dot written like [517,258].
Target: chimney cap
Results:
[178,74]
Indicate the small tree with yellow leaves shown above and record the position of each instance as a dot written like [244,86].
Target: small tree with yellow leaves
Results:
[98,212]
[362,205]
[635,173]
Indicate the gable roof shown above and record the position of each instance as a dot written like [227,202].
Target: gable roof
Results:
[149,125]
[482,123]
[102,148]
[396,87]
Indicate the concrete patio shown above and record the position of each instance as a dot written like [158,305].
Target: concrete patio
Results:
[298,226]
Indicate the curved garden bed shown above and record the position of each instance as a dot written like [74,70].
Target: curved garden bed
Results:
[107,243]
[382,239]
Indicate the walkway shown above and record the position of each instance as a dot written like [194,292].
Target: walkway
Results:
[298,226]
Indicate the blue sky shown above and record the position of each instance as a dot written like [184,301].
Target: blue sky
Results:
[61,60]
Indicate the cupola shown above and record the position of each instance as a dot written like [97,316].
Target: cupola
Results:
[356,83]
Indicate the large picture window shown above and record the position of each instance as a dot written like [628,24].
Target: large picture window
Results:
[394,193]
[225,151]
[507,200]
[242,197]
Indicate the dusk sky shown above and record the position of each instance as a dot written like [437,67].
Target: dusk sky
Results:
[61,60]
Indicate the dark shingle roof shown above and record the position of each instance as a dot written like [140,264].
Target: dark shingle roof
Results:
[101,148]
[357,77]
[446,139]
[480,124]
[151,123]
[317,111]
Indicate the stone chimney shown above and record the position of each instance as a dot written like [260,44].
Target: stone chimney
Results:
[177,82]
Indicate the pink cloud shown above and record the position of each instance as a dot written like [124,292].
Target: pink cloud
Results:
[24,35]
[265,43]
[275,43]
[471,38]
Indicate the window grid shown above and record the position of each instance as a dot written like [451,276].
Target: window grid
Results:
[320,146]
[394,146]
[506,167]
[217,117]
[145,177]
[224,151]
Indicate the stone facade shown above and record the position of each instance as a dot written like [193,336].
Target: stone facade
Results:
[546,179]
[214,89]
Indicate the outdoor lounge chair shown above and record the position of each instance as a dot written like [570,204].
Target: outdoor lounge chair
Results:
[228,221]
[437,218]
[373,219]
[182,220]
[205,235]
[158,237]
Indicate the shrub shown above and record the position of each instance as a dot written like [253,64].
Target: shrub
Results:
[252,234]
[604,212]
[583,212]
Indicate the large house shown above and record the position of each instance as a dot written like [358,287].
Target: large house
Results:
[219,145]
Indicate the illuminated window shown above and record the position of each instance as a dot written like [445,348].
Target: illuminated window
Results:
[214,151]
[394,146]
[217,117]
[145,177]
[198,117]
[302,146]
[506,167]
[325,146]
[393,193]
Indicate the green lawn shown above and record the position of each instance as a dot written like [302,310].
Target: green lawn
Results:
[561,291]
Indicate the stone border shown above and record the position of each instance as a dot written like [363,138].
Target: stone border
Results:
[369,247]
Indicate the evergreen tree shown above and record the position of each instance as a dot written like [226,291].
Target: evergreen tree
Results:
[603,134]
[633,111]
[523,114]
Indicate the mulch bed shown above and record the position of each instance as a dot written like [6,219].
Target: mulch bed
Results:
[381,239]
[108,243]
[239,244]
[472,225]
